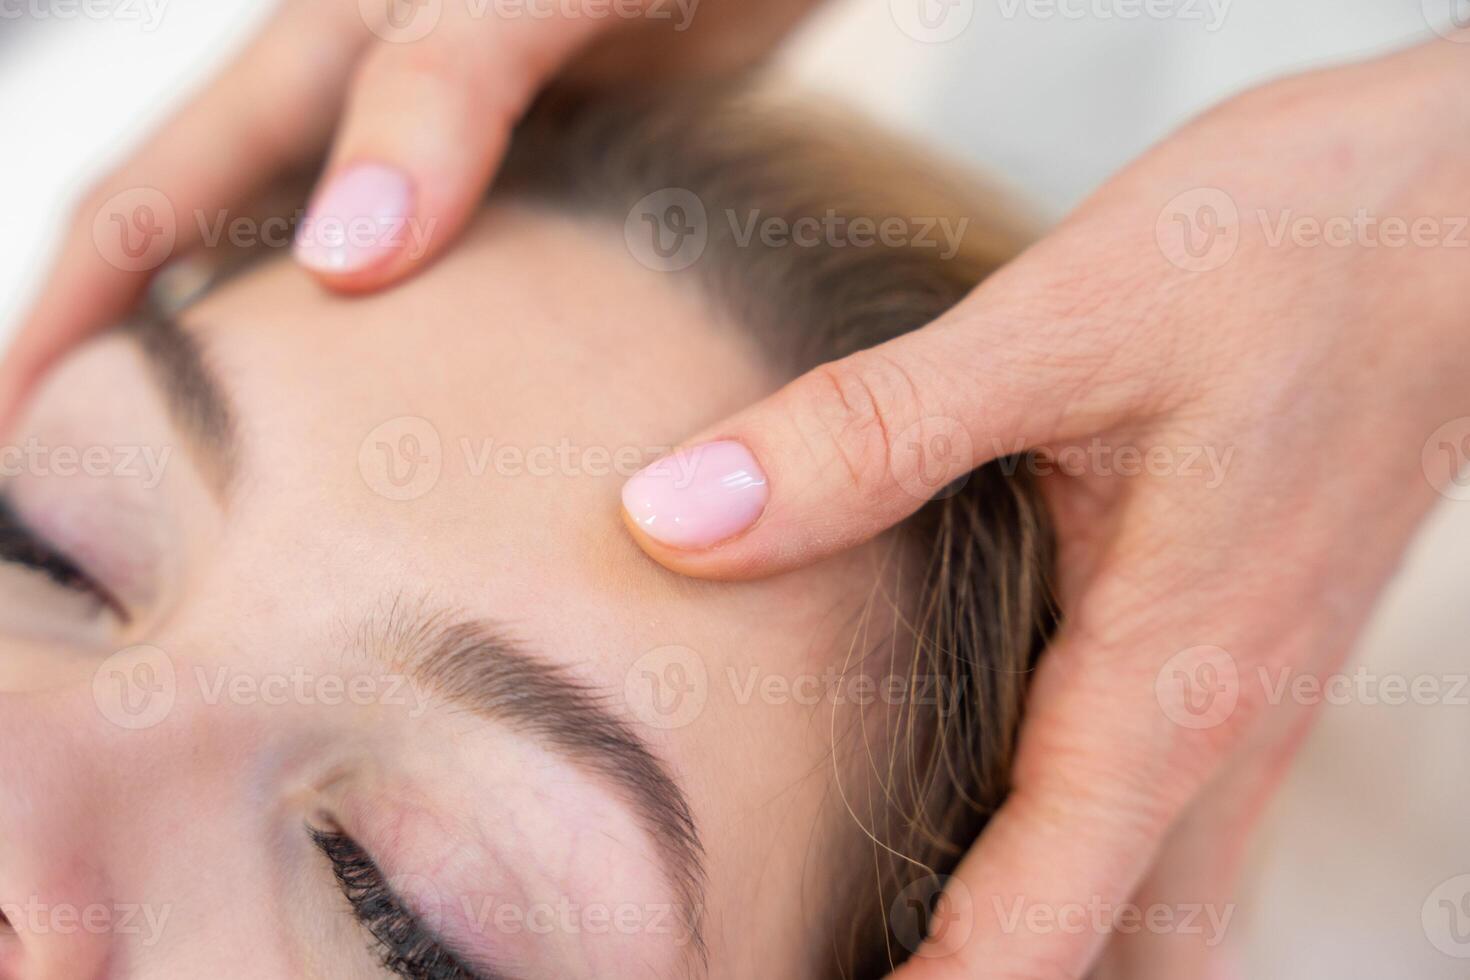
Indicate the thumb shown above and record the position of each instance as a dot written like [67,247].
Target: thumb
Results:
[1110,756]
[854,446]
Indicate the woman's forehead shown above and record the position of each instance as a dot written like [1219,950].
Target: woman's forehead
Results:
[536,327]
[472,430]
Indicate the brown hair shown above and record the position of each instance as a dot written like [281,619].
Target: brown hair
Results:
[982,550]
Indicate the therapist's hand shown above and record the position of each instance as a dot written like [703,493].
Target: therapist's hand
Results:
[416,101]
[1246,357]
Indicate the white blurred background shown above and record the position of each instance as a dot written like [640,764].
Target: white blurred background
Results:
[1052,95]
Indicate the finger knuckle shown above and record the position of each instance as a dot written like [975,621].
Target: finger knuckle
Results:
[421,69]
[493,80]
[858,408]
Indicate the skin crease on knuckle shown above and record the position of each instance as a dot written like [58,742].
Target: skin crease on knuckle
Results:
[336,662]
[853,419]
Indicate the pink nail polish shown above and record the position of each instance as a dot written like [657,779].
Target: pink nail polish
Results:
[699,496]
[357,221]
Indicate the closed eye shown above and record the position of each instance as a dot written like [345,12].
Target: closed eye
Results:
[23,548]
[403,944]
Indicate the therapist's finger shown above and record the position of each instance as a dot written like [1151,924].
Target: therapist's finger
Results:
[855,446]
[273,108]
[428,119]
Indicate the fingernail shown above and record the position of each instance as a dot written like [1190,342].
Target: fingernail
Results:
[698,497]
[356,221]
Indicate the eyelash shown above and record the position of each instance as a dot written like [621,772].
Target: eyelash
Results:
[402,943]
[21,546]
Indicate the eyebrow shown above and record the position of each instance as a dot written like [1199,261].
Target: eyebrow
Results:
[469,662]
[476,664]
[195,398]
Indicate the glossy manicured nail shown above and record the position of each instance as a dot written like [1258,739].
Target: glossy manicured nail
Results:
[357,221]
[697,497]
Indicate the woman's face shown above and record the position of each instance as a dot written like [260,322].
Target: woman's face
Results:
[363,576]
